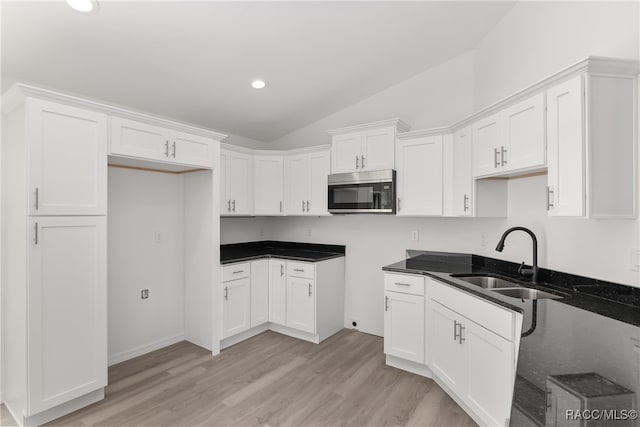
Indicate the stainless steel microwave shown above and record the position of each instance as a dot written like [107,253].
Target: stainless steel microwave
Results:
[363,192]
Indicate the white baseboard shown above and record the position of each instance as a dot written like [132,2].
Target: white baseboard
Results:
[143,349]
[406,365]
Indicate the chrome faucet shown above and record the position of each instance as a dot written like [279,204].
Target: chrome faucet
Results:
[522,270]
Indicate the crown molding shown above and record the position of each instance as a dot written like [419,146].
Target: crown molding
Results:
[420,133]
[16,94]
[399,125]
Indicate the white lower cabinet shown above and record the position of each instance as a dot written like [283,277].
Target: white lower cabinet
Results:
[301,308]
[236,306]
[404,326]
[469,343]
[301,299]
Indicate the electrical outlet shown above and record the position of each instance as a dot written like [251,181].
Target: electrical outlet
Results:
[144,294]
[415,235]
[157,237]
[483,240]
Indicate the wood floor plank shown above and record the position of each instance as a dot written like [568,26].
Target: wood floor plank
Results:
[270,380]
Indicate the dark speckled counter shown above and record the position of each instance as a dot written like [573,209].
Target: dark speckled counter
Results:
[309,252]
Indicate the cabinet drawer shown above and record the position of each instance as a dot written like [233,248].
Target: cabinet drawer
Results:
[236,271]
[408,284]
[484,313]
[300,269]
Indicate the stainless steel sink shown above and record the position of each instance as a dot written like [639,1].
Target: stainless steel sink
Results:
[487,282]
[525,293]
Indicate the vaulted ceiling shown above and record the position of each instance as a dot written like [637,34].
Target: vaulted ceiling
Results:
[194,61]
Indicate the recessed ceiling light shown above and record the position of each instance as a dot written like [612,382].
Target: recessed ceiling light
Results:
[258,84]
[84,6]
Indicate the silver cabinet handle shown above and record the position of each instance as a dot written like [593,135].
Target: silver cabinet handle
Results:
[228,205]
[465,201]
[496,163]
[386,303]
[460,336]
[548,395]
[402,284]
[398,204]
[36,237]
[307,206]
[37,198]
[226,293]
[238,271]
[281,270]
[166,148]
[299,270]
[280,205]
[357,162]
[234,204]
[455,330]
[309,289]
[303,206]
[503,157]
[174,150]
[362,161]
[550,196]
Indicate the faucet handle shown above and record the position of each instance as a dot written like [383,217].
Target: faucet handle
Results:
[525,271]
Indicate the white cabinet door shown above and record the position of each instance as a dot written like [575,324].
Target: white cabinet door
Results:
[296,180]
[191,149]
[447,359]
[488,138]
[318,185]
[345,153]
[67,160]
[462,176]
[67,316]
[420,176]
[525,134]
[225,200]
[268,185]
[277,291]
[378,149]
[565,148]
[137,139]
[404,334]
[236,306]
[559,401]
[259,292]
[301,304]
[240,183]
[490,368]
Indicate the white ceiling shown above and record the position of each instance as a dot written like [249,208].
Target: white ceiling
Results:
[194,61]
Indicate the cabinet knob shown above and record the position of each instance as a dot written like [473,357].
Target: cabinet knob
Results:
[357,162]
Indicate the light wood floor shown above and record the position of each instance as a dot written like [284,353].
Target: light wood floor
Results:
[270,380]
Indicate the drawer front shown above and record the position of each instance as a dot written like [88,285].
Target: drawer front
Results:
[484,313]
[236,271]
[406,283]
[300,269]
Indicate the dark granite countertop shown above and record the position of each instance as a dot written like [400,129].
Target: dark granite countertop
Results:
[619,302]
[309,252]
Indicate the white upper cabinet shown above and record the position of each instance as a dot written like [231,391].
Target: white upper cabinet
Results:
[268,185]
[511,140]
[365,147]
[419,161]
[145,141]
[67,160]
[525,137]
[591,121]
[462,180]
[305,178]
[236,187]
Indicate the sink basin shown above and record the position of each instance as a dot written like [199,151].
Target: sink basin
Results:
[525,293]
[487,282]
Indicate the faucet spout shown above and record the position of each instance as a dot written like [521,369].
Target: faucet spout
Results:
[533,271]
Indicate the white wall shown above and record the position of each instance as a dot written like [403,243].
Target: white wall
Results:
[532,41]
[140,205]
[238,230]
